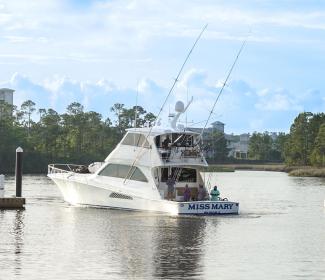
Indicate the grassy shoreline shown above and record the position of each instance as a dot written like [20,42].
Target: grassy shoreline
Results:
[297,171]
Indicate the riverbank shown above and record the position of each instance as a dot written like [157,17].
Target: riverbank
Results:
[298,171]
[308,171]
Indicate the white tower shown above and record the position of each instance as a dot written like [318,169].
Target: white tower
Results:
[6,95]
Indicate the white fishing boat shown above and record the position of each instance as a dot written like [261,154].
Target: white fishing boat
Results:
[134,175]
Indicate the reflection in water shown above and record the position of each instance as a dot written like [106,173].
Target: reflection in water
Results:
[179,247]
[138,245]
[18,232]
[52,240]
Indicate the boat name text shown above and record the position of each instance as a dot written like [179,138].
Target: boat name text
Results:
[208,206]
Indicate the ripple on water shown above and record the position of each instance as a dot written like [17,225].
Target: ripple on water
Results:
[279,234]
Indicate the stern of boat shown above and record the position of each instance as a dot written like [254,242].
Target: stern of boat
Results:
[219,207]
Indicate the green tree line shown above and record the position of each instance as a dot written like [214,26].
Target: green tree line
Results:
[304,145]
[266,146]
[306,141]
[76,136]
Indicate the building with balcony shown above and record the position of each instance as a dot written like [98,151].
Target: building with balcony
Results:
[238,145]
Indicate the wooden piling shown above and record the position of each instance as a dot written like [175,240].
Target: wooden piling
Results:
[19,168]
[17,202]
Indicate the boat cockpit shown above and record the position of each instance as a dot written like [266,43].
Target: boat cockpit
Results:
[182,176]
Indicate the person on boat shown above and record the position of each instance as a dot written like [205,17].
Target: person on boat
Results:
[166,142]
[171,187]
[215,194]
[201,194]
[165,145]
[187,193]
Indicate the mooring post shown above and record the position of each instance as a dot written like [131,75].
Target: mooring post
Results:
[17,202]
[19,169]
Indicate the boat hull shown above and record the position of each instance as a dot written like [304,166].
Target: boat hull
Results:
[84,194]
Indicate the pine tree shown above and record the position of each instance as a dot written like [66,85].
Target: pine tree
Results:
[318,155]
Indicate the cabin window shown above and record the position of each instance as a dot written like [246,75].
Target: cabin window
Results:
[138,176]
[187,175]
[122,170]
[135,139]
[176,140]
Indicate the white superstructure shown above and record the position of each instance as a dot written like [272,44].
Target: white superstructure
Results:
[134,175]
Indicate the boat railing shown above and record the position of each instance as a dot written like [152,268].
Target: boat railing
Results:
[67,168]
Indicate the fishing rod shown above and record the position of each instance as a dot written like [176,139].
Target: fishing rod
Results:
[181,70]
[223,85]
[220,92]
[165,101]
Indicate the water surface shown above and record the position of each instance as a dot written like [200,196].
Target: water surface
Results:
[279,234]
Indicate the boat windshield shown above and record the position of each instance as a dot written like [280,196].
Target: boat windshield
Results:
[135,139]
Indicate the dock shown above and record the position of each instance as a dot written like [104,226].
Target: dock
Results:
[12,203]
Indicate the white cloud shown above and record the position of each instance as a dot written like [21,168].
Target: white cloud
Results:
[263,92]
[278,100]
[123,26]
[193,78]
[58,92]
[126,40]
[148,87]
[239,110]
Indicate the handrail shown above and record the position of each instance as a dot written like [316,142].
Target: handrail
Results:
[57,168]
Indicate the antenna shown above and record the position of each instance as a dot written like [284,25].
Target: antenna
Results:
[223,85]
[163,105]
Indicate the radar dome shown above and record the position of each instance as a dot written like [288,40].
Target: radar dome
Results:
[179,107]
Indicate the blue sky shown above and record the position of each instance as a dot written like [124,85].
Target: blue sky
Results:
[99,52]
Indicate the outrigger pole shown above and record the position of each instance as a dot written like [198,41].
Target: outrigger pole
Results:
[223,86]
[220,92]
[130,172]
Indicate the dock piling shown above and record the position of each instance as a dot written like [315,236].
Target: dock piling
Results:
[17,202]
[19,167]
